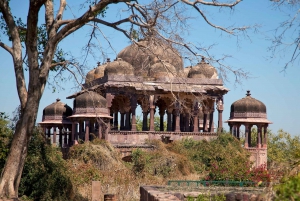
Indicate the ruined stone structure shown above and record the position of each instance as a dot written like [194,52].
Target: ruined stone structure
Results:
[150,74]
[251,112]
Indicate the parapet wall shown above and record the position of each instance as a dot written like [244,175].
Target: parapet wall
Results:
[139,137]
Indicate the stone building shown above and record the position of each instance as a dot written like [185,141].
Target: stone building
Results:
[250,112]
[150,74]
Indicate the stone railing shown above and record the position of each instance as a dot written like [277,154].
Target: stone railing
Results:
[166,133]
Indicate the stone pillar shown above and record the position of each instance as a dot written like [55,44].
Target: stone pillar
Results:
[65,138]
[87,131]
[246,135]
[259,136]
[133,103]
[152,108]
[60,136]
[187,122]
[265,140]
[211,121]
[161,118]
[169,118]
[177,117]
[205,112]
[249,136]
[230,128]
[238,131]
[49,131]
[109,99]
[100,129]
[54,136]
[116,120]
[73,133]
[220,108]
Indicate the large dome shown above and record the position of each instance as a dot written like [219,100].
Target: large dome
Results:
[203,70]
[119,67]
[57,111]
[248,105]
[149,51]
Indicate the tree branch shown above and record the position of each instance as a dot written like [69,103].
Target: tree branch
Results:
[7,48]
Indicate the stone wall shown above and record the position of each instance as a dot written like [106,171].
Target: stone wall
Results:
[163,193]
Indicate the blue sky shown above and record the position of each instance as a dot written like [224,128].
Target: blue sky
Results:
[278,90]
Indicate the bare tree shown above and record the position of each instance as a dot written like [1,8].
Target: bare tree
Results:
[286,40]
[42,55]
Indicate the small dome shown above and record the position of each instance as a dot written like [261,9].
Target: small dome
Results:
[119,67]
[149,51]
[90,76]
[162,69]
[203,70]
[248,105]
[57,111]
[99,72]
[89,99]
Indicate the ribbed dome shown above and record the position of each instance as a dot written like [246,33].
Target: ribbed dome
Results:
[89,99]
[162,69]
[57,110]
[119,67]
[148,52]
[90,76]
[203,70]
[248,105]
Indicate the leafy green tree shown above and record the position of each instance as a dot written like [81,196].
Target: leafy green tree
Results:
[139,123]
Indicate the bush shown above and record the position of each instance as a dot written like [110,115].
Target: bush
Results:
[45,174]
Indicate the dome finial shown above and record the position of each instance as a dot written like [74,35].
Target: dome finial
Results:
[202,59]
[248,93]
[58,99]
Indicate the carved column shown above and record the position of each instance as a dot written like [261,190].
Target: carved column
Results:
[249,136]
[100,130]
[49,131]
[246,135]
[73,131]
[60,136]
[133,103]
[195,114]
[265,136]
[54,136]
[65,137]
[238,131]
[109,99]
[205,114]
[152,108]
[230,128]
[177,120]
[169,118]
[211,117]
[145,109]
[259,136]
[187,121]
[87,131]
[220,108]
[122,119]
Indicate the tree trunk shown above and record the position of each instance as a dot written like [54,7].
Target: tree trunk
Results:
[12,171]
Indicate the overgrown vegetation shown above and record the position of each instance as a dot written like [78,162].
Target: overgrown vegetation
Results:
[47,176]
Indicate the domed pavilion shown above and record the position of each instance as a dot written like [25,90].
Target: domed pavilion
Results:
[251,112]
[56,116]
[150,74]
